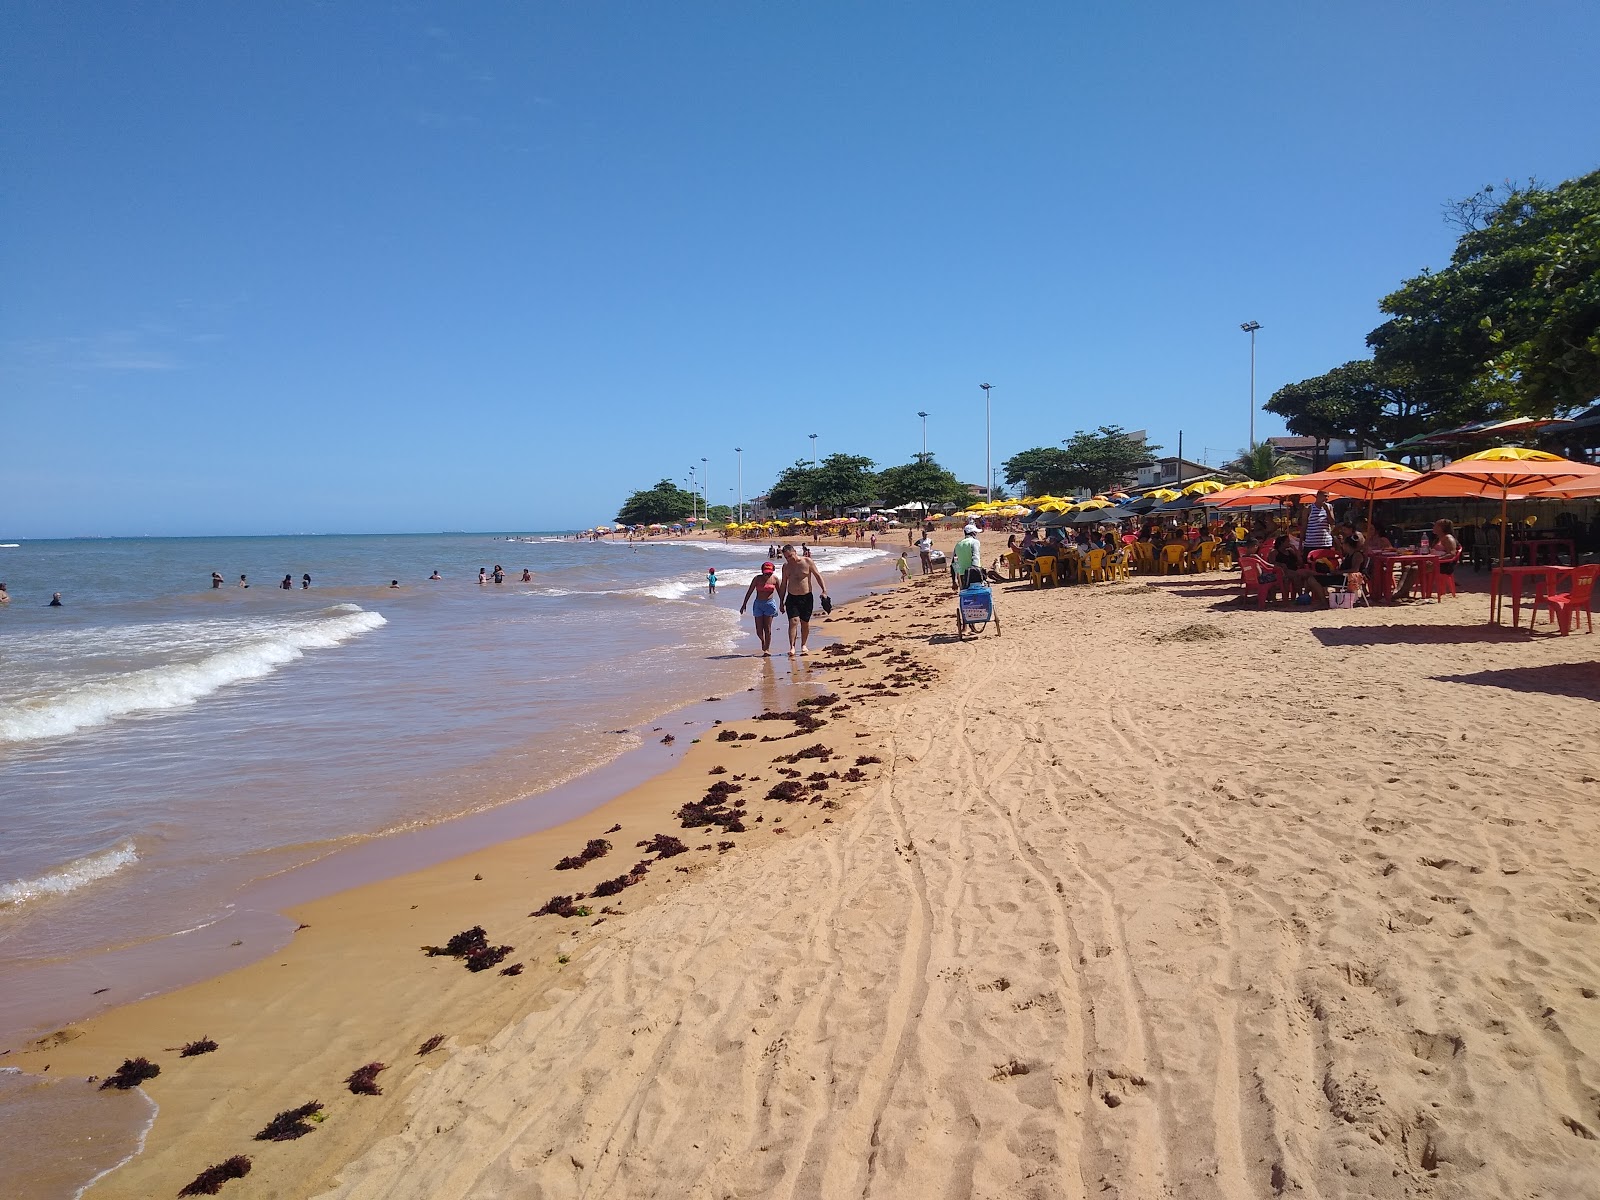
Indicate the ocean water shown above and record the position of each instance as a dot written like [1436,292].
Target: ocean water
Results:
[163,743]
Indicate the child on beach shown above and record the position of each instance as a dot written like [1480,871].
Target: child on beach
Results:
[905,568]
[711,579]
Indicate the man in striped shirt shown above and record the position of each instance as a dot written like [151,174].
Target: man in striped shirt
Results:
[1316,525]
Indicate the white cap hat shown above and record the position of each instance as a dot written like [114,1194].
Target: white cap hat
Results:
[970,529]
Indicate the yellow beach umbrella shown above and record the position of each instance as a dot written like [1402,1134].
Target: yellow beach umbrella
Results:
[1372,464]
[1163,494]
[1204,488]
[1287,477]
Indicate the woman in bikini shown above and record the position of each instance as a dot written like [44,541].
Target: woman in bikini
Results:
[765,589]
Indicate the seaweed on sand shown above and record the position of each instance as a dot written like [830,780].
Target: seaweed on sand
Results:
[826,700]
[728,735]
[864,760]
[204,1046]
[432,1044]
[209,1182]
[561,906]
[472,945]
[612,887]
[513,969]
[597,848]
[131,1073]
[363,1081]
[664,845]
[788,791]
[291,1123]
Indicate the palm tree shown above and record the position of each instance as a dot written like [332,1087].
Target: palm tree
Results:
[1262,462]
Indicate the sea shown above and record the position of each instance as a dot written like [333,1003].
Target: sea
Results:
[165,744]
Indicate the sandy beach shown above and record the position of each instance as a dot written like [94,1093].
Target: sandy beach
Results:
[1152,895]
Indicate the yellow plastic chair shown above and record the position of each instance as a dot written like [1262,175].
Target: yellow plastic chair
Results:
[1044,569]
[1014,567]
[1206,560]
[1092,567]
[1173,558]
[1144,557]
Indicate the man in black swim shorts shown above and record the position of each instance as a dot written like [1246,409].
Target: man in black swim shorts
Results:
[798,601]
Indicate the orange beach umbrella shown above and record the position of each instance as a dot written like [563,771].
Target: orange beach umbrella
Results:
[1497,473]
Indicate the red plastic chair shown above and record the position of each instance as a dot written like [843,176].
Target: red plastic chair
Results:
[1563,605]
[1250,569]
[1439,582]
[1326,554]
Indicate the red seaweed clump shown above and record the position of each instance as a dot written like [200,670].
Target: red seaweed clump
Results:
[561,906]
[854,775]
[788,791]
[209,1182]
[291,1123]
[728,735]
[814,751]
[612,887]
[719,769]
[203,1046]
[664,845]
[131,1073]
[826,700]
[513,969]
[597,848]
[747,737]
[363,1081]
[471,945]
[865,760]
[432,1044]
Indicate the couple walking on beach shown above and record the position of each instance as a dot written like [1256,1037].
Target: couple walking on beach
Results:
[790,591]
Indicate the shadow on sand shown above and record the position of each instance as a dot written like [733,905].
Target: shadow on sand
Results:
[1416,635]
[1580,679]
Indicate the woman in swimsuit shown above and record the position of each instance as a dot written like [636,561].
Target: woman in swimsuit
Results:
[765,589]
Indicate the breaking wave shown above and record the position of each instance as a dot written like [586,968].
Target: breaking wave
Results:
[78,873]
[258,653]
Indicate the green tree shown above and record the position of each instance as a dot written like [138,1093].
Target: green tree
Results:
[1358,400]
[1105,458]
[843,481]
[1512,325]
[1263,461]
[795,486]
[720,513]
[1041,471]
[662,504]
[921,481]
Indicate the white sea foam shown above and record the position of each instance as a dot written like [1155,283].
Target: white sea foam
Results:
[673,589]
[259,651]
[78,873]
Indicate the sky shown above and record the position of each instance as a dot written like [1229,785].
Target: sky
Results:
[351,267]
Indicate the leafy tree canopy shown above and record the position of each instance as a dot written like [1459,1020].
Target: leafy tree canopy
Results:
[720,512]
[1106,457]
[920,481]
[1512,325]
[1041,471]
[662,504]
[839,481]
[1359,400]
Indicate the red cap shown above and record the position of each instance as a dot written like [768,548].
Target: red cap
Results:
[767,568]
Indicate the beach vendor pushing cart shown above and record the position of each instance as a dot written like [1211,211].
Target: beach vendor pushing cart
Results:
[974,600]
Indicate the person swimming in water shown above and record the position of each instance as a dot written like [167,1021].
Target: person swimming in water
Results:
[55,601]
[305,582]
[243,581]
[288,583]
[216,580]
[527,575]
[436,574]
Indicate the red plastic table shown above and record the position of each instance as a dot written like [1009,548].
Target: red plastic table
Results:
[1385,561]
[1543,578]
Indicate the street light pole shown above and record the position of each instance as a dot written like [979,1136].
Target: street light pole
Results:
[988,442]
[694,497]
[813,438]
[924,417]
[705,487]
[1250,327]
[739,450]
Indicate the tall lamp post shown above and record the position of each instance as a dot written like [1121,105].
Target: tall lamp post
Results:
[1250,327]
[813,438]
[924,417]
[705,488]
[739,450]
[694,498]
[988,442]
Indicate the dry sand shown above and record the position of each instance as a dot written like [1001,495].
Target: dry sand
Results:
[1150,896]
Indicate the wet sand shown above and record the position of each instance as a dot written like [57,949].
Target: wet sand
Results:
[1152,895]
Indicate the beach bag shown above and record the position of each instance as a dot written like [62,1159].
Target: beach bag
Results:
[1341,598]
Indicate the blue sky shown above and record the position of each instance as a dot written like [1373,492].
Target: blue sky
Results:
[349,267]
